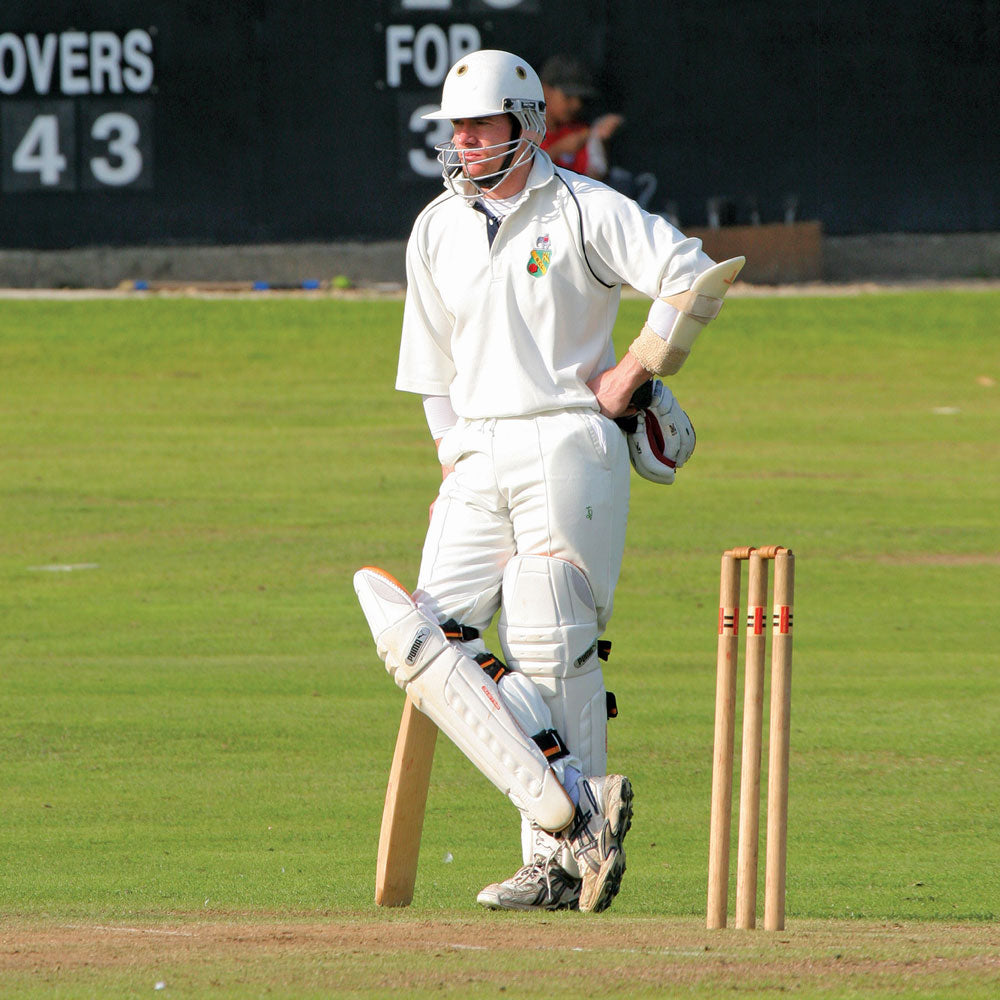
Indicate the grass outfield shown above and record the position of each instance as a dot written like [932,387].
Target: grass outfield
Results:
[195,732]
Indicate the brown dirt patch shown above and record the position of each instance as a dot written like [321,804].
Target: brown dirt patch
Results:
[560,952]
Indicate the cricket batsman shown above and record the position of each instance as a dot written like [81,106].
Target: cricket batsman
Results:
[514,275]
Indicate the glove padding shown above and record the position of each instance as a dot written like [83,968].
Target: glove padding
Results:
[660,436]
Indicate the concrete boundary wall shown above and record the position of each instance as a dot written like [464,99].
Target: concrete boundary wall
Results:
[902,256]
[886,257]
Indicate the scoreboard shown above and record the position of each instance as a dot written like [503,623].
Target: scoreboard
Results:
[125,122]
[83,124]
[133,122]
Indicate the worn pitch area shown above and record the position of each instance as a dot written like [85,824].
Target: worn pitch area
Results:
[561,952]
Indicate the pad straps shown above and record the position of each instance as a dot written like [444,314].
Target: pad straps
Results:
[454,632]
[548,741]
[493,667]
[551,744]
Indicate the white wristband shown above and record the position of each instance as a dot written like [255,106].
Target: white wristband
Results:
[661,318]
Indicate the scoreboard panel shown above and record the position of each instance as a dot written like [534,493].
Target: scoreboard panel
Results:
[131,122]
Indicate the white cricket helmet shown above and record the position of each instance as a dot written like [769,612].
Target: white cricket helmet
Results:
[482,84]
[663,438]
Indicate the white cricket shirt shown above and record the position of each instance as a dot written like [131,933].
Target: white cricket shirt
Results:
[520,327]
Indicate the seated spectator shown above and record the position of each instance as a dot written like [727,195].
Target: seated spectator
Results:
[570,141]
[575,145]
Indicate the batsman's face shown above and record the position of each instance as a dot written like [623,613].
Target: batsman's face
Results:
[482,143]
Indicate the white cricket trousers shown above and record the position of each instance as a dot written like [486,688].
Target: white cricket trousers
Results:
[554,484]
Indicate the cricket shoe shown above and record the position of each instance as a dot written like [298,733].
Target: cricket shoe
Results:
[603,817]
[541,885]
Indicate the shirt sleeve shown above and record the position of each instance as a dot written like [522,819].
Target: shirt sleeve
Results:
[635,247]
[425,361]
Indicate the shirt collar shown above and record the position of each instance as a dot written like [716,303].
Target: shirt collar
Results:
[541,171]
[539,175]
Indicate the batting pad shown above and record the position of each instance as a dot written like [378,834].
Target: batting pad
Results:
[454,692]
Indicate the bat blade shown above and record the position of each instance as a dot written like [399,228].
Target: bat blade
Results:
[403,816]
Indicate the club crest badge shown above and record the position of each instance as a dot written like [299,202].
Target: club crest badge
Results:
[541,257]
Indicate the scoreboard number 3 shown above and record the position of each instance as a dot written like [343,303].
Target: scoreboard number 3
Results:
[123,164]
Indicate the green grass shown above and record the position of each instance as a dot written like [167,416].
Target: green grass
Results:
[197,723]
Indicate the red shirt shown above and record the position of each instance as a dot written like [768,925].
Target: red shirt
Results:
[577,161]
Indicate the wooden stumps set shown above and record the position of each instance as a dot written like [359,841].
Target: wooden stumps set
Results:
[778,742]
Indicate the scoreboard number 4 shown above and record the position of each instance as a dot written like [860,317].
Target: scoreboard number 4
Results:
[38,152]
[41,151]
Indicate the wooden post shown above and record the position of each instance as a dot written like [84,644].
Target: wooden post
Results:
[753,711]
[722,759]
[781,707]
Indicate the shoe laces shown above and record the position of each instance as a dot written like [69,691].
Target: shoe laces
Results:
[541,864]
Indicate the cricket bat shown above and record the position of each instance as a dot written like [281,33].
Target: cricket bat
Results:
[403,816]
